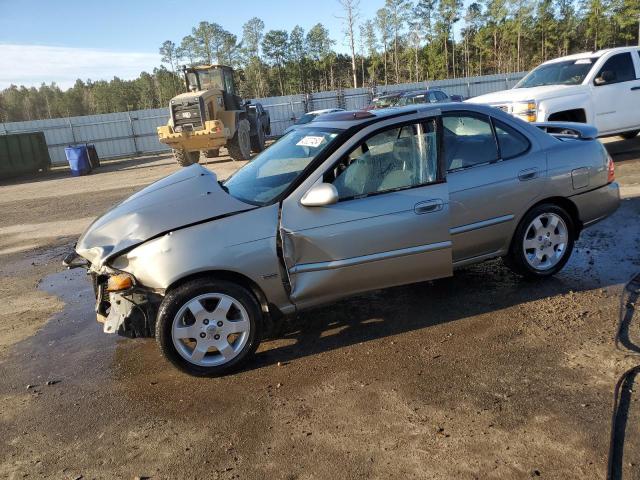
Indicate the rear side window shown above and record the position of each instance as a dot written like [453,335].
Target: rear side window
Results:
[621,66]
[512,143]
[468,140]
[440,96]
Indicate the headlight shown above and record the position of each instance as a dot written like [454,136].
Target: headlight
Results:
[119,282]
[525,110]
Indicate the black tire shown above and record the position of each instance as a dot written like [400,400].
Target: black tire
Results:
[186,159]
[240,145]
[257,140]
[516,259]
[177,298]
[630,135]
[212,153]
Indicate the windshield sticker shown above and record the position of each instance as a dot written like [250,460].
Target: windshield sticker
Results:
[310,141]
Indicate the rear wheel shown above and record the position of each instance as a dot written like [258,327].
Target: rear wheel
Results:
[185,159]
[212,153]
[630,135]
[257,140]
[542,243]
[208,327]
[240,145]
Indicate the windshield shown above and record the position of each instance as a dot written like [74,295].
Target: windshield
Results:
[270,173]
[571,72]
[385,102]
[306,118]
[209,79]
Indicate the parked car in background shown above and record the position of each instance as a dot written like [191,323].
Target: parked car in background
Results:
[427,96]
[384,101]
[310,117]
[600,88]
[352,202]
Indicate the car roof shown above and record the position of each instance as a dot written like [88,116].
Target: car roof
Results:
[325,110]
[592,54]
[421,92]
[349,118]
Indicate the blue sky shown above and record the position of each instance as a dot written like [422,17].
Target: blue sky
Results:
[61,40]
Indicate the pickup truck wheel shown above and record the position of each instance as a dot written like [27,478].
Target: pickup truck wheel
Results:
[240,145]
[542,243]
[630,135]
[208,327]
[257,140]
[185,159]
[212,153]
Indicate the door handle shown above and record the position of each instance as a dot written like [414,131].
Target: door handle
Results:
[528,174]
[428,206]
[635,88]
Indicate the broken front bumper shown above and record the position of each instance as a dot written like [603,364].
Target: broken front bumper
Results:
[130,313]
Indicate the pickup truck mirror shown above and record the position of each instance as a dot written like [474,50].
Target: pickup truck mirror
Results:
[320,195]
[607,76]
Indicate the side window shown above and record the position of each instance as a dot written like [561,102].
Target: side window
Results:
[468,140]
[393,159]
[512,143]
[433,97]
[618,68]
[228,82]
[441,96]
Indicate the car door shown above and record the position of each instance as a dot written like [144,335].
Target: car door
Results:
[494,174]
[616,94]
[390,225]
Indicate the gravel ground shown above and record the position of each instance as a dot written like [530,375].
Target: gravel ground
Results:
[482,375]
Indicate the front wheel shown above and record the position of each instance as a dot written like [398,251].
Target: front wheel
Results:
[542,243]
[257,140]
[186,159]
[208,327]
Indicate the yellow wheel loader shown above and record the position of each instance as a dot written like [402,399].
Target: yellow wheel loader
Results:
[210,115]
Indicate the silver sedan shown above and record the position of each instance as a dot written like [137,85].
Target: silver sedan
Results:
[353,202]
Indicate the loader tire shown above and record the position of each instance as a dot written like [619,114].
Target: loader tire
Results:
[186,159]
[240,145]
[257,140]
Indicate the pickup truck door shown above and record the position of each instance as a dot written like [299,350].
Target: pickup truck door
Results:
[616,94]
[390,225]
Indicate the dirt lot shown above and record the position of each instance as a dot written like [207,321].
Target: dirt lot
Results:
[482,375]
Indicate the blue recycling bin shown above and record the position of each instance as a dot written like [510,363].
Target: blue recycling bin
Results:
[78,158]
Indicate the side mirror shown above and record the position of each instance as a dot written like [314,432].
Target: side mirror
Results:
[320,195]
[605,77]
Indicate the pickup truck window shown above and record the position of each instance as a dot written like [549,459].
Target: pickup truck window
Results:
[570,72]
[620,67]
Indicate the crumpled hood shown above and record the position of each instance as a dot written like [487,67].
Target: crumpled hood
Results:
[188,196]
[543,92]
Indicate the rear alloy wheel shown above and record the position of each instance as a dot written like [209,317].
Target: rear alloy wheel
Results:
[257,140]
[186,159]
[240,145]
[630,135]
[212,153]
[208,328]
[543,242]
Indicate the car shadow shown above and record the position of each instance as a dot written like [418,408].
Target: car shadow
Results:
[476,290]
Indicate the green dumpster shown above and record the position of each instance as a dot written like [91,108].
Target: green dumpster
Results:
[22,153]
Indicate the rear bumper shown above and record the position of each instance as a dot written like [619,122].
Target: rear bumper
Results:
[597,204]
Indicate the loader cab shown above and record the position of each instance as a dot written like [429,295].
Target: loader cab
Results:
[214,77]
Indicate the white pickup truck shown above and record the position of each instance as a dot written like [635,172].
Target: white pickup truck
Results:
[600,88]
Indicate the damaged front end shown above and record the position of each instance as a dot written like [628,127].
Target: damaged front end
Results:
[122,305]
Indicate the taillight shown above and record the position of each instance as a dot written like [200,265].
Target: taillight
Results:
[611,170]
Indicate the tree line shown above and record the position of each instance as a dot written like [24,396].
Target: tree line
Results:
[405,41]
